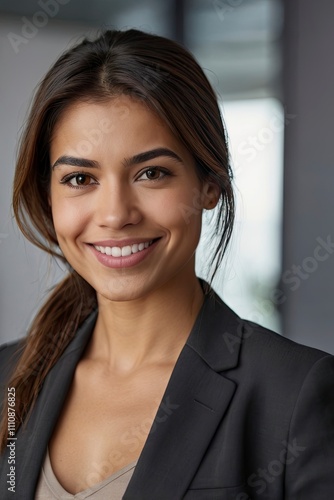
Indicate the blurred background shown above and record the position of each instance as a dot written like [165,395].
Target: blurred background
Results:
[271,64]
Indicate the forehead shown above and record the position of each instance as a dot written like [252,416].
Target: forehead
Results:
[121,123]
[105,114]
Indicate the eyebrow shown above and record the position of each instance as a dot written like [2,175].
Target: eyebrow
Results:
[74,162]
[150,155]
[134,160]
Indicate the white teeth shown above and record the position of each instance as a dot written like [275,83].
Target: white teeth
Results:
[124,251]
[116,251]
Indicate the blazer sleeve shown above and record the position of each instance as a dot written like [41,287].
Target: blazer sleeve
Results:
[310,447]
[9,356]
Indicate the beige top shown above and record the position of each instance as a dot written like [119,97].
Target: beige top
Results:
[49,488]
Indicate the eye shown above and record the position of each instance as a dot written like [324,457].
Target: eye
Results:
[153,174]
[78,180]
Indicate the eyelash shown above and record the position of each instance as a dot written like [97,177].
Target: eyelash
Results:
[164,171]
[68,178]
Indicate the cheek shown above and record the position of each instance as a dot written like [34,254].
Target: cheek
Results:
[181,211]
[68,218]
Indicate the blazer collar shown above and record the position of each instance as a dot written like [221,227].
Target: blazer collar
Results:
[194,403]
[217,333]
[32,438]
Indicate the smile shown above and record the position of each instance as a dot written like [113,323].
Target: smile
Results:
[123,251]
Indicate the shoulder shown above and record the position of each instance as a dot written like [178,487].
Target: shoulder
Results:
[257,354]
[256,338]
[281,368]
[275,350]
[9,356]
[227,342]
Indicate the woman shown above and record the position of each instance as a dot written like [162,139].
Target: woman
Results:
[136,381]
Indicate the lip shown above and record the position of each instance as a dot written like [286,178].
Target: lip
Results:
[123,262]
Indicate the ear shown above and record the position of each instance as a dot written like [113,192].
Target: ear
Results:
[211,194]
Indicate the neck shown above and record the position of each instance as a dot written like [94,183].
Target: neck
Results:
[149,330]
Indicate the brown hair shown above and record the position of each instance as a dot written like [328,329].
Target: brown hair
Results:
[167,78]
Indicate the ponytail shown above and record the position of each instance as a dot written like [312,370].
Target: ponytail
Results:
[51,331]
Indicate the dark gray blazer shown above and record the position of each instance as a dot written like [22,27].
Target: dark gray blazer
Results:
[247,414]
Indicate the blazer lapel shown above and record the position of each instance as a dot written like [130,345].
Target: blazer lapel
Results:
[193,405]
[195,401]
[32,439]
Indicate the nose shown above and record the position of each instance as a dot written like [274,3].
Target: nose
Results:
[116,207]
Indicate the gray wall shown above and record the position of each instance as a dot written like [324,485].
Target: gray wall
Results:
[25,273]
[308,267]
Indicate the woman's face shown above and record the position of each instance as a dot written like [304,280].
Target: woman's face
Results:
[126,201]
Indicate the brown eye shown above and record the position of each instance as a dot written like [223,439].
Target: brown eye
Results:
[78,180]
[153,174]
[82,180]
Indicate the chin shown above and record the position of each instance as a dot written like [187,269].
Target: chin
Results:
[121,290]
